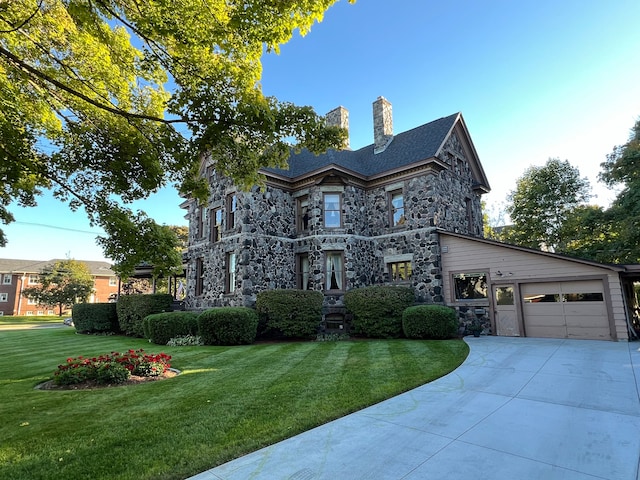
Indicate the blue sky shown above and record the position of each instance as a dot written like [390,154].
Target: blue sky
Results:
[533,80]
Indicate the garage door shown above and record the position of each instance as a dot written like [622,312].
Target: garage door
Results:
[565,310]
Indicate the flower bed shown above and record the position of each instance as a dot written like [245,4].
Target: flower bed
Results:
[113,368]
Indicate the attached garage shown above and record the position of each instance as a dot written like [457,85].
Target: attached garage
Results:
[565,310]
[517,291]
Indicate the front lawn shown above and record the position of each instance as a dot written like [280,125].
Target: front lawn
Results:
[227,402]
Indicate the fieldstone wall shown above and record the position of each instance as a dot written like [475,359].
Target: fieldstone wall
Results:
[265,238]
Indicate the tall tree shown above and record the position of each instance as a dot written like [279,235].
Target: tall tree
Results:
[541,203]
[62,284]
[622,170]
[84,109]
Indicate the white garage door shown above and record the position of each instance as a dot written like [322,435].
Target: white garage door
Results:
[565,310]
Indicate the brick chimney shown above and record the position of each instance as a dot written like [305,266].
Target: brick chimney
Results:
[382,125]
[339,117]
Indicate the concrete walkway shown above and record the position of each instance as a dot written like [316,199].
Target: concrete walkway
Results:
[517,408]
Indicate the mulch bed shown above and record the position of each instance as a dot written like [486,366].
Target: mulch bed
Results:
[133,380]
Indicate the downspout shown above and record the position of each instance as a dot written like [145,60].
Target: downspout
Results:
[20,293]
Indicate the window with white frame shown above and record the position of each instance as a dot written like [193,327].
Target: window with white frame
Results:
[50,312]
[31,301]
[4,297]
[332,210]
[6,279]
[334,271]
[113,282]
[33,279]
[29,313]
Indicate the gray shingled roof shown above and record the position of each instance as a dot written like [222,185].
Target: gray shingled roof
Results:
[406,148]
[8,265]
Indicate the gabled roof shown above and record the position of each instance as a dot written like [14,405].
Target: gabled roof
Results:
[8,265]
[615,268]
[407,148]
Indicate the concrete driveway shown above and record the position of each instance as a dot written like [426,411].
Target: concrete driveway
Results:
[517,408]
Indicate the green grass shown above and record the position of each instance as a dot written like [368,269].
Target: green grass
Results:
[227,402]
[31,319]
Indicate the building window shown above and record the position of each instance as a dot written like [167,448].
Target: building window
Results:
[33,279]
[31,301]
[50,312]
[199,276]
[40,312]
[302,213]
[6,279]
[470,286]
[397,208]
[504,296]
[200,222]
[469,207]
[400,271]
[232,206]
[29,313]
[230,276]
[215,225]
[113,282]
[332,209]
[4,297]
[302,271]
[334,271]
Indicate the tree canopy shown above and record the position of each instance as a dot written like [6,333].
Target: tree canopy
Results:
[542,202]
[62,284]
[106,101]
[622,219]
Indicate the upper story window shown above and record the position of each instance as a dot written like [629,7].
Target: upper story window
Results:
[232,207]
[4,297]
[302,213]
[397,208]
[215,225]
[400,271]
[332,210]
[200,222]
[33,279]
[334,272]
[6,279]
[113,282]
[302,271]
[230,274]
[470,286]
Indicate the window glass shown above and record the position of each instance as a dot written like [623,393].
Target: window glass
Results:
[583,297]
[33,279]
[199,276]
[113,281]
[4,297]
[215,225]
[334,271]
[7,279]
[542,298]
[400,271]
[504,295]
[303,213]
[397,208]
[232,206]
[303,271]
[230,286]
[332,210]
[470,286]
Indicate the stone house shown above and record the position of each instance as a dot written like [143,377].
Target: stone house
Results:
[341,220]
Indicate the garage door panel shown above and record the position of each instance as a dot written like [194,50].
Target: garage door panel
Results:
[565,310]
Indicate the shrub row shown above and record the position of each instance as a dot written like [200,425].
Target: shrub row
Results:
[378,312]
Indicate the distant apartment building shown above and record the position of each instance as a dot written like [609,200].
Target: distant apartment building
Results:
[16,275]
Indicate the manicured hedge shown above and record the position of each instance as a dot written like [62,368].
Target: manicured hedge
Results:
[228,326]
[430,322]
[133,308]
[159,328]
[377,311]
[95,317]
[290,313]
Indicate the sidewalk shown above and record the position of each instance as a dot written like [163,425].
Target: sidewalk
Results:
[518,408]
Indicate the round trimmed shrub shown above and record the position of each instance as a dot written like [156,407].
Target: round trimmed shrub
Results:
[95,317]
[430,322]
[228,326]
[377,311]
[159,328]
